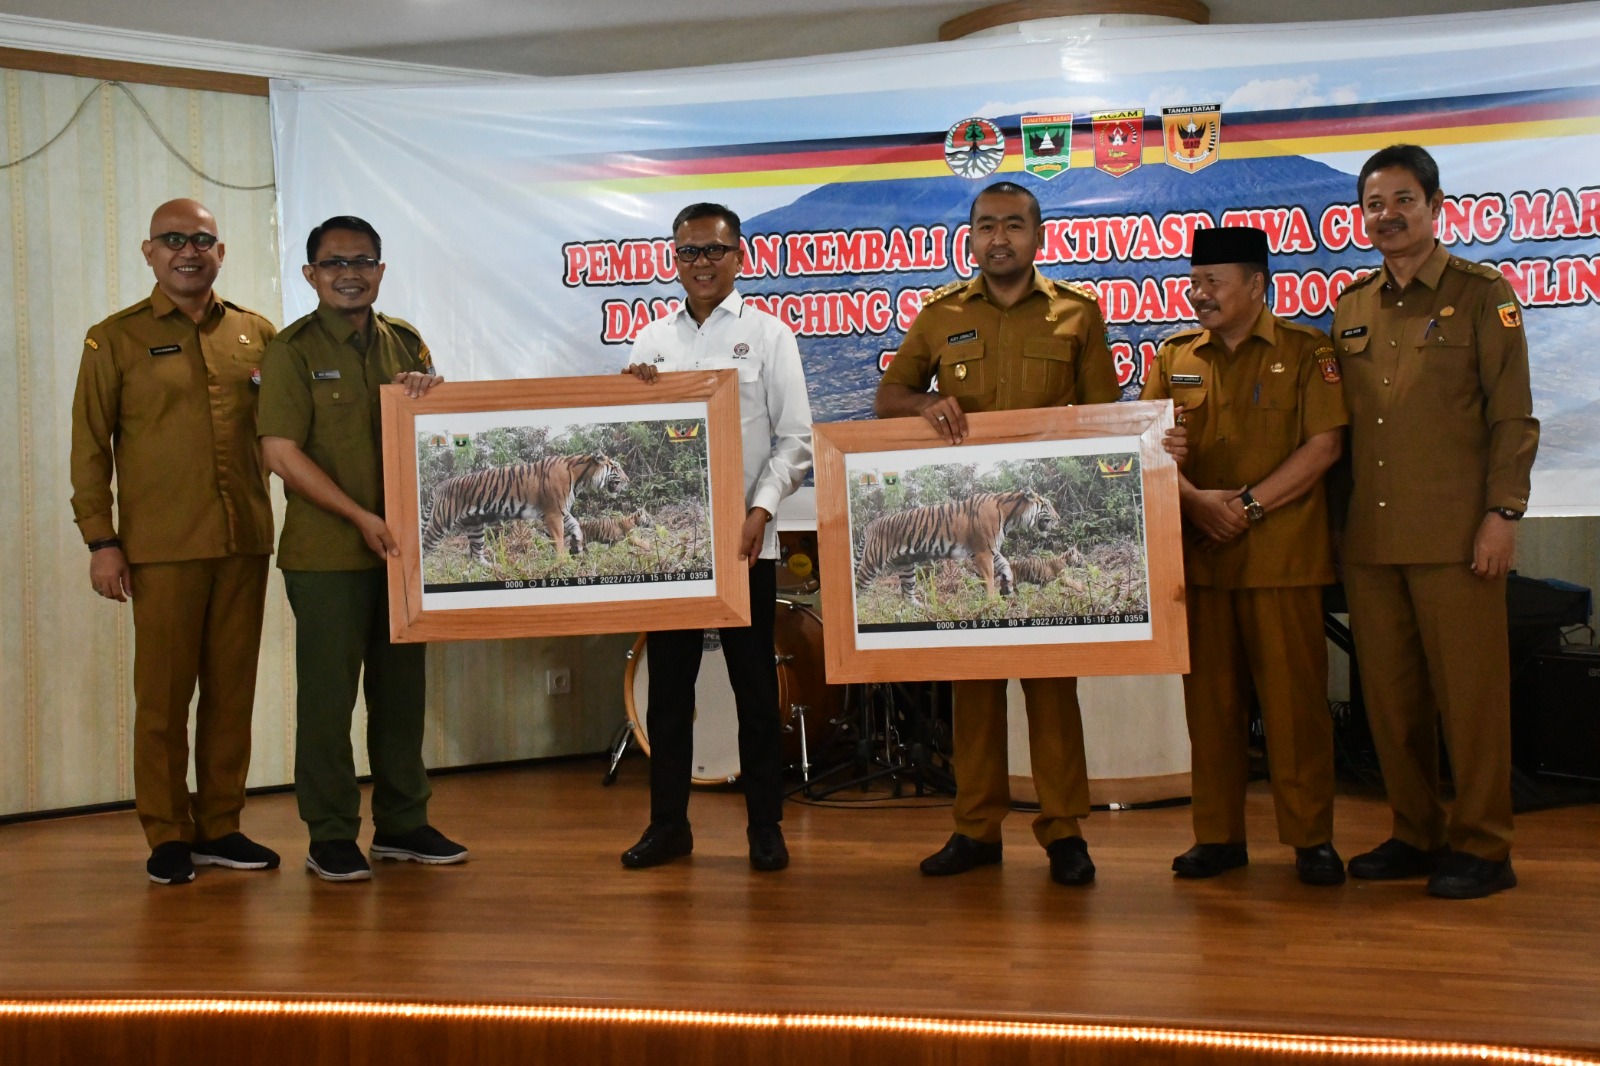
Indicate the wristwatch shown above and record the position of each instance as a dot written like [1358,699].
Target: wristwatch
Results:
[1507,513]
[1252,507]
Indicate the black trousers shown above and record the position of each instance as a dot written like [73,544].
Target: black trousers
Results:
[669,718]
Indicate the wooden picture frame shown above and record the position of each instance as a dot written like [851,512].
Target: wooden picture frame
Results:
[874,633]
[698,409]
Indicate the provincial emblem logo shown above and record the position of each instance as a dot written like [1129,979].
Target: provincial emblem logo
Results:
[1192,135]
[1046,144]
[974,148]
[1118,140]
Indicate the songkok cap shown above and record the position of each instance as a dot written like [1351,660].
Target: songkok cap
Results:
[1229,244]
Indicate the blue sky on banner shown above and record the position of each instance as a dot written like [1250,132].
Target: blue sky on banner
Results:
[452,177]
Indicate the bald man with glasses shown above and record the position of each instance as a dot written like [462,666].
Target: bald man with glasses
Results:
[166,404]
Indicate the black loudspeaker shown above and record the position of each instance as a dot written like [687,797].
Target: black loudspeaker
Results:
[1561,731]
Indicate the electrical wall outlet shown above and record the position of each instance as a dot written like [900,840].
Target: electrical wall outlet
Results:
[558,682]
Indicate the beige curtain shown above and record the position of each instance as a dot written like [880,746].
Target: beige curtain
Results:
[75,214]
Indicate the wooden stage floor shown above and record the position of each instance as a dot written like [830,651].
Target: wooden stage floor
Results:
[998,965]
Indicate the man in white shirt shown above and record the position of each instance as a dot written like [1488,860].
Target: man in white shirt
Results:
[713,330]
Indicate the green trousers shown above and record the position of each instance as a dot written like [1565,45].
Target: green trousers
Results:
[341,628]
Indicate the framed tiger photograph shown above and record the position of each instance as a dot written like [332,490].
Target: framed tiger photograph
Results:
[1047,544]
[559,506]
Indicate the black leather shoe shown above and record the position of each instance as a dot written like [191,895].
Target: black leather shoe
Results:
[1393,860]
[661,843]
[1320,865]
[1209,860]
[767,850]
[1463,876]
[960,854]
[1069,861]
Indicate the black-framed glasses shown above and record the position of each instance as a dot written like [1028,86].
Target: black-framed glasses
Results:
[361,264]
[688,253]
[203,242]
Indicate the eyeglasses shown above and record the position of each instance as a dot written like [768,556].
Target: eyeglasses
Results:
[362,265]
[203,242]
[688,253]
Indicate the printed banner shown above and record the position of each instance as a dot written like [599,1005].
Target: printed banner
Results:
[526,224]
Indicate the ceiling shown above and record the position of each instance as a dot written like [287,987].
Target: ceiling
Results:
[605,36]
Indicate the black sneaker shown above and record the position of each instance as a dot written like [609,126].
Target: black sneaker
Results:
[424,844]
[768,852]
[169,863]
[338,860]
[235,851]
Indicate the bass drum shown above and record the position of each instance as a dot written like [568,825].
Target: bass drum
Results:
[807,706]
[716,719]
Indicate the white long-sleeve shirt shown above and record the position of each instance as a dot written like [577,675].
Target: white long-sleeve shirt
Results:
[774,411]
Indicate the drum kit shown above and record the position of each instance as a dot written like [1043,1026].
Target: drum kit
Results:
[872,732]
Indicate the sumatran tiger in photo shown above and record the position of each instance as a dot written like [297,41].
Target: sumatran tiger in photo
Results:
[543,489]
[610,529]
[973,528]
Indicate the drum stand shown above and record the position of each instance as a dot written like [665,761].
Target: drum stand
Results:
[902,753]
[621,741]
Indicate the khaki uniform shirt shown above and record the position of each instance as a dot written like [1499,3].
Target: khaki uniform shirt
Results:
[169,405]
[1246,413]
[1046,350]
[1441,414]
[319,388]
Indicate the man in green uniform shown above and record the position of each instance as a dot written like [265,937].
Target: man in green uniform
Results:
[1010,338]
[1263,404]
[165,399]
[1442,439]
[321,434]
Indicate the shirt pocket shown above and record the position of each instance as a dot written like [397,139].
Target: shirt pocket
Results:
[961,369]
[1354,345]
[1048,364]
[1192,398]
[338,416]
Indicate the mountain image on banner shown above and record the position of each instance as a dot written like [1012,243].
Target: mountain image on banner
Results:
[842,372]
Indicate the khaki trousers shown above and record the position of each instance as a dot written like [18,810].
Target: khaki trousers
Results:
[1055,743]
[194,621]
[1432,644]
[1273,638]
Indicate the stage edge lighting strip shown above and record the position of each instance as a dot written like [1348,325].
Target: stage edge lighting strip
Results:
[1275,1043]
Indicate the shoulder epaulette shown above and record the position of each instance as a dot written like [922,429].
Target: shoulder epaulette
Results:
[287,333]
[1362,281]
[142,305]
[1076,288]
[400,324]
[1310,331]
[944,290]
[245,310]
[1482,270]
[1182,335]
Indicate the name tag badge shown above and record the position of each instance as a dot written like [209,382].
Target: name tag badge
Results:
[957,338]
[324,375]
[167,349]
[1186,379]
[1354,331]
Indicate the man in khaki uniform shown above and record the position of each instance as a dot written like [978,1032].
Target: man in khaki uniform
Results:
[1263,403]
[321,433]
[1442,441]
[1010,338]
[165,399]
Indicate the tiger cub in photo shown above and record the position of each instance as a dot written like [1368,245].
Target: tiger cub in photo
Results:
[540,490]
[610,528]
[972,528]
